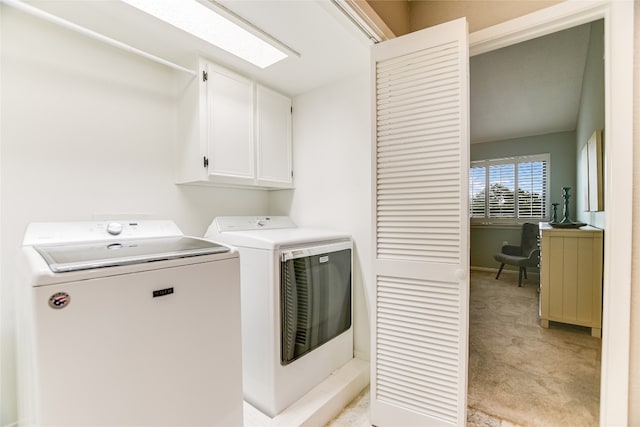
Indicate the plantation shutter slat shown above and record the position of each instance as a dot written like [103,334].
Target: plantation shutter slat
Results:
[477,191]
[501,191]
[421,228]
[532,189]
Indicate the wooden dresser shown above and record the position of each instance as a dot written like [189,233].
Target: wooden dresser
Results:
[571,276]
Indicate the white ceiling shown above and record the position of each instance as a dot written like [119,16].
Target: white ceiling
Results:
[528,89]
[531,88]
[330,46]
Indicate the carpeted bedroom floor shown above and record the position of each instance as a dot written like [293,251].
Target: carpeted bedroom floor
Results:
[521,372]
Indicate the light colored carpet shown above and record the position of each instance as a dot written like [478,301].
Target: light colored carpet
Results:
[524,373]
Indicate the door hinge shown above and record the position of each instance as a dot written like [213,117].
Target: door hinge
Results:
[291,110]
[205,76]
[205,162]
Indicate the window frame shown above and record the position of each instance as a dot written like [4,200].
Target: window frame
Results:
[514,160]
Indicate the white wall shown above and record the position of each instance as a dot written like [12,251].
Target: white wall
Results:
[332,173]
[86,131]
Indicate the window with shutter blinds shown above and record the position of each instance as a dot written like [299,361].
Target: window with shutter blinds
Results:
[509,190]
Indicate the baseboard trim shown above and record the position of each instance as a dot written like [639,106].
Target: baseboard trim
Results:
[486,269]
[506,270]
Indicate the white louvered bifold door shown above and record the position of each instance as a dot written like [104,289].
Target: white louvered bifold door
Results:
[421,169]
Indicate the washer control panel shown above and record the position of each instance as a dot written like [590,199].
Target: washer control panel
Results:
[63,232]
[114,228]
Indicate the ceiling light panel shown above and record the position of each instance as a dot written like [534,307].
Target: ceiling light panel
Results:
[204,23]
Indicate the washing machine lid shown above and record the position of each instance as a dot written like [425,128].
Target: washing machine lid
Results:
[99,254]
[267,232]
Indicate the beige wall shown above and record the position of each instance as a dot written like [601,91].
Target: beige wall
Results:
[634,371]
[394,13]
[479,13]
[405,16]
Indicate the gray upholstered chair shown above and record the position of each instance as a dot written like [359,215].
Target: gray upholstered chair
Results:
[523,256]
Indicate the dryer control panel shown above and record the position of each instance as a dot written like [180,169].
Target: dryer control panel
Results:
[245,223]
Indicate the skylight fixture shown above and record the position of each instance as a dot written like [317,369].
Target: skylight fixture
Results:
[203,22]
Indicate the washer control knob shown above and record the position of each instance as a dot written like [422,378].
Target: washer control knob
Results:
[114,228]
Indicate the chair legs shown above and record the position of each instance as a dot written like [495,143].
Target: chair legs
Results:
[522,271]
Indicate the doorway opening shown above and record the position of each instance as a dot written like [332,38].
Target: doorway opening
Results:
[618,101]
[535,98]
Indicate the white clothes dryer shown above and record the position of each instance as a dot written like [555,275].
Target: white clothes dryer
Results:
[296,305]
[128,323]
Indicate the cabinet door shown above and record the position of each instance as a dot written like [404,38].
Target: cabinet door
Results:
[571,277]
[273,138]
[229,116]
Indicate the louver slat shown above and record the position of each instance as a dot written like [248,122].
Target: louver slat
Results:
[415,146]
[417,345]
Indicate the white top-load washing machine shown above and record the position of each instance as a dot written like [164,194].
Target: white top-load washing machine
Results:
[128,323]
[296,305]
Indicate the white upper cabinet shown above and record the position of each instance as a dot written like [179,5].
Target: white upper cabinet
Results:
[233,132]
[229,117]
[273,138]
